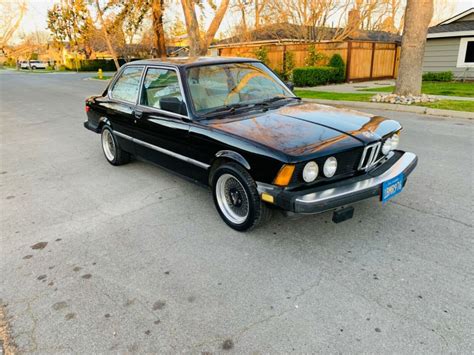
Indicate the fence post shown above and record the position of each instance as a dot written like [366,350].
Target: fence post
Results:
[372,61]
[348,61]
[395,61]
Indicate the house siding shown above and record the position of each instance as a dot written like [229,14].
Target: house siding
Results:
[441,54]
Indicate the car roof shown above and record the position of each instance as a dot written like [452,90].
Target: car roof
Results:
[191,61]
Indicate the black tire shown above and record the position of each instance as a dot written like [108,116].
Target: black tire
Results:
[33,67]
[118,156]
[254,210]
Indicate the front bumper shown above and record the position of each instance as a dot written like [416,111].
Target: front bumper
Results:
[329,197]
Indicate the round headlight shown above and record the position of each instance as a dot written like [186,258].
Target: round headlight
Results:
[387,146]
[310,171]
[330,167]
[390,144]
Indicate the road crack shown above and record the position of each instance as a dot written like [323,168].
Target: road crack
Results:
[433,214]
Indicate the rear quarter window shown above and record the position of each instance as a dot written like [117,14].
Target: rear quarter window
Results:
[127,85]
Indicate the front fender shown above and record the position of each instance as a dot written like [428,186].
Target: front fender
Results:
[230,154]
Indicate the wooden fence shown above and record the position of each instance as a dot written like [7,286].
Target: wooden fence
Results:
[364,60]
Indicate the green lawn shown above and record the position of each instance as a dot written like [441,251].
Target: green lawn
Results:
[104,77]
[310,94]
[455,105]
[436,88]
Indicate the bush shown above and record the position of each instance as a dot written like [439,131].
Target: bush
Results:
[313,57]
[10,62]
[438,76]
[262,54]
[93,64]
[312,76]
[281,74]
[289,65]
[337,62]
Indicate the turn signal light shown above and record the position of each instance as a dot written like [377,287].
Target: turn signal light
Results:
[283,177]
[267,197]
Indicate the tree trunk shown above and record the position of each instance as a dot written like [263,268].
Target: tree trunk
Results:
[214,26]
[106,35]
[192,27]
[198,45]
[159,44]
[418,15]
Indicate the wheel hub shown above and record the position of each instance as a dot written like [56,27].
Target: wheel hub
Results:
[235,197]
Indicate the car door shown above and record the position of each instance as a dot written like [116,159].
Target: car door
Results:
[120,108]
[162,131]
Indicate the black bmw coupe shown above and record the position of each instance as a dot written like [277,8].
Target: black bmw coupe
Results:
[233,125]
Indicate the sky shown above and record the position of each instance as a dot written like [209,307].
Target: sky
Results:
[35,18]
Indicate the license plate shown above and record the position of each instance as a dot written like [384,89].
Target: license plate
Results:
[392,187]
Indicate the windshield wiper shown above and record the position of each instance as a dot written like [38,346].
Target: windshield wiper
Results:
[229,109]
[225,109]
[267,102]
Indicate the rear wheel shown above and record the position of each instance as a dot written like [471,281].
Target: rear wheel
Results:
[112,151]
[236,198]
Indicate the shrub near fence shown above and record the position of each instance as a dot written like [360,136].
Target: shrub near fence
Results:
[438,76]
[337,62]
[313,76]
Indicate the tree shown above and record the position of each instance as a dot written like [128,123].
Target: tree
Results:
[418,15]
[159,44]
[100,15]
[198,44]
[12,14]
[70,21]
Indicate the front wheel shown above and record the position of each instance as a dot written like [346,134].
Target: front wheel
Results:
[112,151]
[236,198]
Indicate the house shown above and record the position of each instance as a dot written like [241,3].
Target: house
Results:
[450,46]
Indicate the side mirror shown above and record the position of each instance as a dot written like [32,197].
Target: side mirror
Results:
[290,85]
[173,104]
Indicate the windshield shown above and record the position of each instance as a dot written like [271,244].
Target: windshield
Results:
[222,85]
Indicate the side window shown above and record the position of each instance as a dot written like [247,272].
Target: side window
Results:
[160,83]
[127,86]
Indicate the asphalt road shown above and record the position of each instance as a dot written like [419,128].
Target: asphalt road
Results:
[96,258]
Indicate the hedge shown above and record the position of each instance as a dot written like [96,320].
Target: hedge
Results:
[337,62]
[95,64]
[312,76]
[438,76]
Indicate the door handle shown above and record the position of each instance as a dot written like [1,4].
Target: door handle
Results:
[138,114]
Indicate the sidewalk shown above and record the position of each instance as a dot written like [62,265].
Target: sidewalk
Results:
[354,88]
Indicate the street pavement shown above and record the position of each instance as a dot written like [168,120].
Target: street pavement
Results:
[96,258]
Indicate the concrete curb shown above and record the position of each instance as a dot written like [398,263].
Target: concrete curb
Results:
[396,107]
[103,80]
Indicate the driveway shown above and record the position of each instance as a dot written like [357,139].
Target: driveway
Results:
[96,258]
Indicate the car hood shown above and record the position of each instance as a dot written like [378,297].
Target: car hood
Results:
[309,129]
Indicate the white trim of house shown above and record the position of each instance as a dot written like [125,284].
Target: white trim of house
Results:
[450,34]
[457,17]
[462,53]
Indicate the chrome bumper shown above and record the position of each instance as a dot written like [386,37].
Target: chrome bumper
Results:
[339,194]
